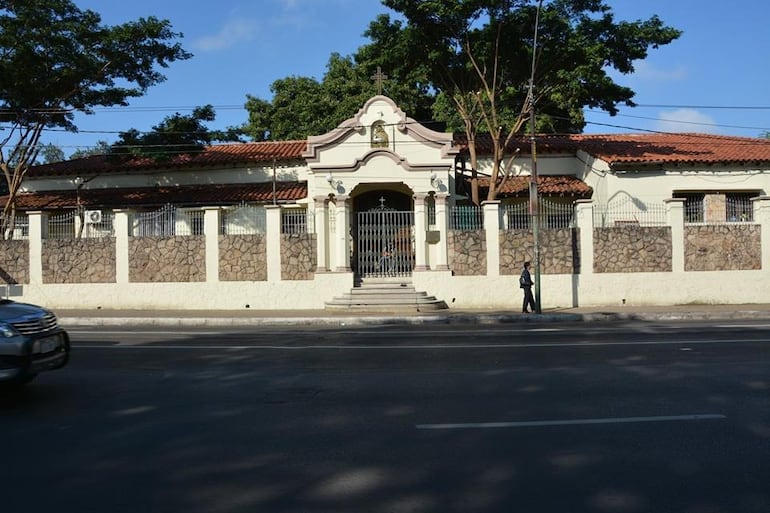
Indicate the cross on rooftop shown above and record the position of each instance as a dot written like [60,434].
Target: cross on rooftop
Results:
[379,77]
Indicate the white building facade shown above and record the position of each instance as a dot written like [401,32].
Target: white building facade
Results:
[292,225]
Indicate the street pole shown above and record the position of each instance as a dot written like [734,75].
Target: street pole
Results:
[534,207]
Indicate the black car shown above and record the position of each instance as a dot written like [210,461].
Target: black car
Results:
[31,341]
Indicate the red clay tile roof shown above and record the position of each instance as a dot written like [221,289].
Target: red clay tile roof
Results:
[221,154]
[616,149]
[646,149]
[189,195]
[547,185]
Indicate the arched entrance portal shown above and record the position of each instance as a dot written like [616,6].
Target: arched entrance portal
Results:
[383,234]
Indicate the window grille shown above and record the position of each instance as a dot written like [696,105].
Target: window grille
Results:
[739,208]
[693,207]
[296,220]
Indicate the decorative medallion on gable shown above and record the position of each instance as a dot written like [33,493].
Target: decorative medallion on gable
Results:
[379,137]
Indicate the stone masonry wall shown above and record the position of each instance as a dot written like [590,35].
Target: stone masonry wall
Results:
[14,261]
[167,259]
[559,251]
[242,258]
[722,247]
[79,260]
[632,249]
[467,252]
[298,256]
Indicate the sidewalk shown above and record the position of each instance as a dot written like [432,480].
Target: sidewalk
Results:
[245,318]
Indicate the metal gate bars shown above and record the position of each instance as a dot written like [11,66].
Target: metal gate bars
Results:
[384,243]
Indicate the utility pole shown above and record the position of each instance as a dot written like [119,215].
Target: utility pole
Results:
[534,207]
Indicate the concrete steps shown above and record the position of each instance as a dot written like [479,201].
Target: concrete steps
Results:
[386,295]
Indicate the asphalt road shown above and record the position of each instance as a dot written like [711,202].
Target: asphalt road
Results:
[599,418]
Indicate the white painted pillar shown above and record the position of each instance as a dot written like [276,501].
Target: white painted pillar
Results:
[120,227]
[762,217]
[273,242]
[675,219]
[492,232]
[584,216]
[37,221]
[420,241]
[322,234]
[342,235]
[211,231]
[442,250]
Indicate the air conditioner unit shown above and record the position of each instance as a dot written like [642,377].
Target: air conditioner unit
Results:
[93,216]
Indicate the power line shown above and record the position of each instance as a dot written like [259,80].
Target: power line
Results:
[701,107]
[670,120]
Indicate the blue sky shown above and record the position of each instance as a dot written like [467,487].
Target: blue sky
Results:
[713,79]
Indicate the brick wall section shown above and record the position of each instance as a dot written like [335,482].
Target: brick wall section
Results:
[79,260]
[722,247]
[559,251]
[467,252]
[298,256]
[14,261]
[172,259]
[632,249]
[242,258]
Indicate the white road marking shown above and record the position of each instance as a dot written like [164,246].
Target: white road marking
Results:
[573,422]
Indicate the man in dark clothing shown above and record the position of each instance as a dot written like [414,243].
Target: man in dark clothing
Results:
[525,282]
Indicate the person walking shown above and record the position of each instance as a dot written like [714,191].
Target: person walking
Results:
[525,282]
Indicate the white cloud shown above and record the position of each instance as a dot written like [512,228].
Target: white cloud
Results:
[644,70]
[232,33]
[685,120]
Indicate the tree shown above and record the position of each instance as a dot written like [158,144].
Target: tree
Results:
[100,148]
[477,56]
[177,134]
[51,153]
[58,60]
[303,106]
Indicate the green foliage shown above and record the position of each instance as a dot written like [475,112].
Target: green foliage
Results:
[57,60]
[51,153]
[479,56]
[578,42]
[302,106]
[176,134]
[100,148]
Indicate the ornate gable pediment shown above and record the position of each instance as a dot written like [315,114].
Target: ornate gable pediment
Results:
[379,126]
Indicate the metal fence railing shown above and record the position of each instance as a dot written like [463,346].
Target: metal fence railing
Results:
[466,218]
[630,213]
[733,208]
[61,226]
[168,221]
[85,224]
[98,224]
[15,227]
[243,219]
[551,216]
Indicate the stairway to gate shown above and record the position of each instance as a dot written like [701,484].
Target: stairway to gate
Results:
[386,295]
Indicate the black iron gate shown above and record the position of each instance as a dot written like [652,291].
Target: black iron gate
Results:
[384,243]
